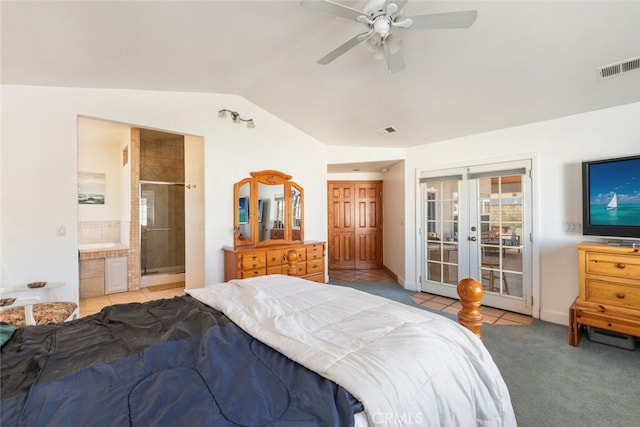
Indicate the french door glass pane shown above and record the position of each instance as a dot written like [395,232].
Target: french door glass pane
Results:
[441,236]
[501,223]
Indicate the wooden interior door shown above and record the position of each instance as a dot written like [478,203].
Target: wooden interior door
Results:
[355,224]
[341,244]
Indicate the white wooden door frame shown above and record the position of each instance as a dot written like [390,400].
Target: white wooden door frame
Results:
[530,297]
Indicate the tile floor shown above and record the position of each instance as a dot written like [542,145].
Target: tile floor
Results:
[95,304]
[491,315]
[377,275]
[450,305]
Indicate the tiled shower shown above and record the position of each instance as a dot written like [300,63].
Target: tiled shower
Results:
[162,214]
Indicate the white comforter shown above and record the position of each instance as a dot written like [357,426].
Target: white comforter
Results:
[406,365]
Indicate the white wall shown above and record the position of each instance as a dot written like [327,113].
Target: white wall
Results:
[39,176]
[39,168]
[102,158]
[558,148]
[394,202]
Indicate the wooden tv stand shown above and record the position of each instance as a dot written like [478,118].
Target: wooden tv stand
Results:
[609,294]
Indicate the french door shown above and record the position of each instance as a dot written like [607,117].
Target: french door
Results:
[476,222]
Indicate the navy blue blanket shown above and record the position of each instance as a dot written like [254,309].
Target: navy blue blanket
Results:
[161,363]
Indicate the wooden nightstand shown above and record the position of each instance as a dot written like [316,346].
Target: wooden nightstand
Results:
[609,294]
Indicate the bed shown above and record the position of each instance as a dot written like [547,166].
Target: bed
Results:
[273,350]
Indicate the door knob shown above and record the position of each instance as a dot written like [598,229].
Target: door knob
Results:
[472,238]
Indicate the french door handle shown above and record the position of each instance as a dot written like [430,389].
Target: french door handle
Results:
[472,238]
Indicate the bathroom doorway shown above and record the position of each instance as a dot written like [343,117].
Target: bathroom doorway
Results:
[127,156]
[162,232]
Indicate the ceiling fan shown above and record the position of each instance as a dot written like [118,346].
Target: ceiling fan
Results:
[381,17]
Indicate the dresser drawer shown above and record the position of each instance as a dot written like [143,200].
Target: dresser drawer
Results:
[278,269]
[252,260]
[616,265]
[315,252]
[618,294]
[272,258]
[275,257]
[315,266]
[253,273]
[301,270]
[302,254]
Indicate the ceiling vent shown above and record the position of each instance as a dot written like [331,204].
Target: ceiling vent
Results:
[619,68]
[387,130]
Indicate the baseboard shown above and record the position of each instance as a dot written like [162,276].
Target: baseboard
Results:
[558,317]
[390,273]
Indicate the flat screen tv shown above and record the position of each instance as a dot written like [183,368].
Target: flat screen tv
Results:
[611,198]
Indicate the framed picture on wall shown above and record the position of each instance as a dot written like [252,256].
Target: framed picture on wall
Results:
[243,210]
[91,188]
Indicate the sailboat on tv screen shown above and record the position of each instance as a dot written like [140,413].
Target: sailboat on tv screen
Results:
[613,203]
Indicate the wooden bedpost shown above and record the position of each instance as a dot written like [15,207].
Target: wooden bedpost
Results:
[292,260]
[470,292]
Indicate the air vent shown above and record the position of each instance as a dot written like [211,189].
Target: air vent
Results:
[618,68]
[387,130]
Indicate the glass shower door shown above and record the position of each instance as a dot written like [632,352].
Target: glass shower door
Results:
[162,228]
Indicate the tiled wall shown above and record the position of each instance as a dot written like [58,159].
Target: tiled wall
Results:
[161,159]
[133,263]
[99,232]
[91,278]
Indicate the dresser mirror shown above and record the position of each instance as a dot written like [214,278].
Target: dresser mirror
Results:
[268,209]
[242,213]
[296,211]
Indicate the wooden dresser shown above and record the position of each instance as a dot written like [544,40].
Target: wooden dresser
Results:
[609,294]
[304,260]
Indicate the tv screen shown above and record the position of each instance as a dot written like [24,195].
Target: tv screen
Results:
[611,197]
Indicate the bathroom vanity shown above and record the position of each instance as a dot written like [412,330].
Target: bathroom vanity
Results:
[103,269]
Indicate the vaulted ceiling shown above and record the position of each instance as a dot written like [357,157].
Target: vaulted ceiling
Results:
[520,62]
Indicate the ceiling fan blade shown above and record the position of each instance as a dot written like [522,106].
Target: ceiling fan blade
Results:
[395,61]
[400,3]
[461,19]
[333,8]
[335,53]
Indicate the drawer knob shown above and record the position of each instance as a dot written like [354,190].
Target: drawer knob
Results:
[620,265]
[620,295]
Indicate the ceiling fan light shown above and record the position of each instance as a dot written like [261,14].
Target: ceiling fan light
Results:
[395,44]
[373,43]
[378,55]
[382,26]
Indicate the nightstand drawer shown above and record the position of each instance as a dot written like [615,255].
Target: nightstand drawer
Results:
[621,295]
[617,265]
